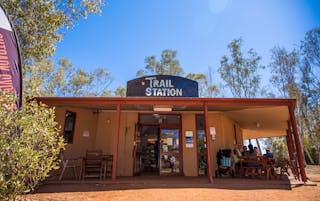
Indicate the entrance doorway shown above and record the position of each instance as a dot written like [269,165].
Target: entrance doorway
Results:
[157,145]
[150,149]
[169,151]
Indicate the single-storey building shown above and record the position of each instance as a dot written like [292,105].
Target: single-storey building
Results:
[162,127]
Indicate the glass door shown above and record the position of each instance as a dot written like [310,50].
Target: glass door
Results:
[201,145]
[170,159]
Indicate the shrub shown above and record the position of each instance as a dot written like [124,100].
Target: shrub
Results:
[29,146]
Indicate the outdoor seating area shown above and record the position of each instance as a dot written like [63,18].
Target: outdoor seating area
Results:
[95,165]
[233,163]
[257,166]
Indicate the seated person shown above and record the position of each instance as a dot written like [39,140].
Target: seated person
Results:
[253,164]
[257,151]
[252,154]
[244,150]
[237,150]
[235,161]
[268,154]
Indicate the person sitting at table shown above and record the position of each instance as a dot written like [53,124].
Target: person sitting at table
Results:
[251,151]
[268,154]
[244,150]
[256,151]
[253,157]
[235,161]
[238,150]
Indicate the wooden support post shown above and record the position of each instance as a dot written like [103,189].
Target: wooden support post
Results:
[297,143]
[116,144]
[209,169]
[290,138]
[289,146]
[258,144]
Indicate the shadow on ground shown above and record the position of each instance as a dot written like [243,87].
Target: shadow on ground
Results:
[158,182]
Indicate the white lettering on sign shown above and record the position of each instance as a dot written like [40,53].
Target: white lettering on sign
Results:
[162,88]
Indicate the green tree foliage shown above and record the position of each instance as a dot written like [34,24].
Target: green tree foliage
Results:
[206,89]
[284,66]
[40,24]
[310,47]
[63,79]
[278,147]
[310,94]
[296,75]
[168,65]
[121,92]
[29,146]
[239,72]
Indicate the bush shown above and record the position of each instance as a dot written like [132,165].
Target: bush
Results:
[29,146]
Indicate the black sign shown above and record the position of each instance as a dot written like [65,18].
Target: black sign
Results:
[162,86]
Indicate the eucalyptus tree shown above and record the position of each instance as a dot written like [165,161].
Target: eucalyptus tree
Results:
[296,75]
[170,65]
[66,80]
[39,25]
[120,91]
[167,65]
[284,66]
[310,92]
[240,73]
[206,88]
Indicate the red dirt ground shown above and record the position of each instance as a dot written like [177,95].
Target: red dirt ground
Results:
[183,188]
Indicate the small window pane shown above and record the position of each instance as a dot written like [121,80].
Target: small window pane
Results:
[69,127]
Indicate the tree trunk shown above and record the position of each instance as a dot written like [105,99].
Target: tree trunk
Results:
[305,149]
[309,155]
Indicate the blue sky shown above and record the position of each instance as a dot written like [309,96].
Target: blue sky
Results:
[200,30]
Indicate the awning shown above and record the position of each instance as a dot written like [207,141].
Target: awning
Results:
[258,118]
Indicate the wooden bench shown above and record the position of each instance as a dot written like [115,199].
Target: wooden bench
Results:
[250,165]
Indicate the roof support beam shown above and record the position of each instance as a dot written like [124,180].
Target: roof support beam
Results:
[290,145]
[116,144]
[297,143]
[209,169]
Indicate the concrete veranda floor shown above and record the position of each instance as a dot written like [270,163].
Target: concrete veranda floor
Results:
[182,189]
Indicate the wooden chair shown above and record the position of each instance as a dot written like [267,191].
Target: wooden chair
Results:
[69,163]
[284,167]
[93,164]
[250,166]
[266,167]
[108,162]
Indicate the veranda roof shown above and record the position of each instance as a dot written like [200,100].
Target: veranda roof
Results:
[257,117]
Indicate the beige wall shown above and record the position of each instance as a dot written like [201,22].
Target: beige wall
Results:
[225,137]
[86,120]
[105,132]
[190,163]
[101,127]
[105,138]
[125,155]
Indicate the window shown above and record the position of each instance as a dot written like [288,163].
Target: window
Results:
[69,126]
[201,145]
